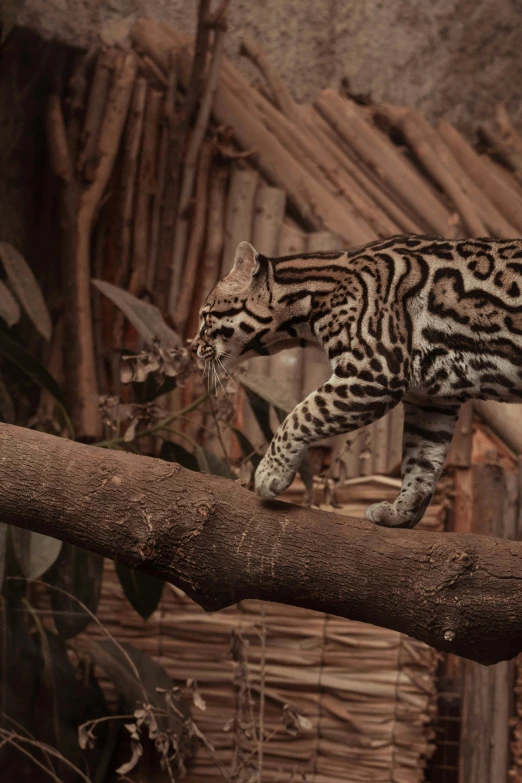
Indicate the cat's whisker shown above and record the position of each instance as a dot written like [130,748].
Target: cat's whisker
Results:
[219,381]
[226,372]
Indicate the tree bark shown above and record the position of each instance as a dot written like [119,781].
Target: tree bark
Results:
[461,593]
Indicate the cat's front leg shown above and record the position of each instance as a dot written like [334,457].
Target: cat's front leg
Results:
[341,405]
[428,431]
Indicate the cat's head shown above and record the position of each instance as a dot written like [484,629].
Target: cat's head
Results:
[238,313]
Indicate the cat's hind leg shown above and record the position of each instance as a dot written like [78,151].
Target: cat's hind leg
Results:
[428,430]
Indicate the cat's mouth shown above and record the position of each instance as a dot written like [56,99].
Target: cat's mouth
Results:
[203,351]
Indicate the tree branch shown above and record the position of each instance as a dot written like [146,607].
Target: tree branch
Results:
[461,593]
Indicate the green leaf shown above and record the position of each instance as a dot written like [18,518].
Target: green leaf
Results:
[34,552]
[20,667]
[218,466]
[26,288]
[261,410]
[80,573]
[64,701]
[7,411]
[30,366]
[9,309]
[3,551]
[249,452]
[173,452]
[142,590]
[145,317]
[152,675]
[269,390]
[149,390]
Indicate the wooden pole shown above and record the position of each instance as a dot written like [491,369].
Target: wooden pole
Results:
[147,184]
[375,150]
[508,201]
[240,213]
[487,697]
[196,240]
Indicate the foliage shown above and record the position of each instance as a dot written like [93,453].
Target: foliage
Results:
[154,709]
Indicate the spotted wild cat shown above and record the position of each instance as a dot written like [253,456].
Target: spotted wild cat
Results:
[427,321]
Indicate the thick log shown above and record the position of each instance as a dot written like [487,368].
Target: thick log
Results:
[220,544]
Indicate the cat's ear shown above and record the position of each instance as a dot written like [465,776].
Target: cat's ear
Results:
[247,263]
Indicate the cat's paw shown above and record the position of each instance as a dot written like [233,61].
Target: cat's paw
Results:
[387,515]
[269,481]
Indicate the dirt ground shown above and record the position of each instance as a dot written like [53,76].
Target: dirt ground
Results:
[452,58]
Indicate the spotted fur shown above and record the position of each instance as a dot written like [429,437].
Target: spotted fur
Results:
[427,321]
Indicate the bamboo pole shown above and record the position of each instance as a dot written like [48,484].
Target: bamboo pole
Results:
[196,240]
[269,212]
[145,191]
[396,419]
[508,202]
[103,71]
[215,240]
[316,368]
[302,146]
[376,152]
[158,206]
[189,169]
[315,205]
[505,141]
[422,140]
[240,211]
[379,211]
[287,366]
[132,143]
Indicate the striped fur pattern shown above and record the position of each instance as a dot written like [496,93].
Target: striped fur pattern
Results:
[427,321]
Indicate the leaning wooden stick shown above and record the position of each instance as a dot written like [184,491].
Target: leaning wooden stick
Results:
[251,49]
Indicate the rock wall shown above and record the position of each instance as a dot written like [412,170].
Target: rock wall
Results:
[455,58]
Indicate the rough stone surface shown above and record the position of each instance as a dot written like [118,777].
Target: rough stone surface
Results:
[455,58]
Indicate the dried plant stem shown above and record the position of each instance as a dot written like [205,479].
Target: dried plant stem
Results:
[18,740]
[106,444]
[93,617]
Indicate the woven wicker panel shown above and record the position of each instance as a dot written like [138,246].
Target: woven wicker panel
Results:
[367,693]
